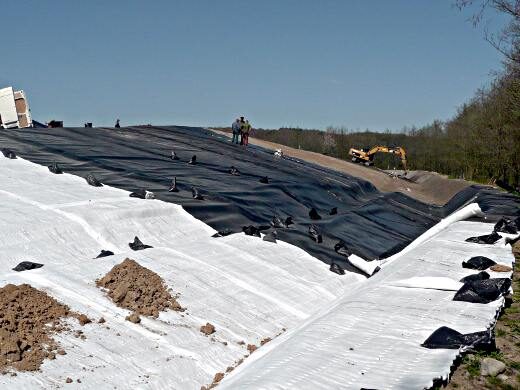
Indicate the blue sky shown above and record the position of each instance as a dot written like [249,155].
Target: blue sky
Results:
[308,63]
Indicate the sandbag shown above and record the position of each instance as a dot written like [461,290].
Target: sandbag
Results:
[222,233]
[253,230]
[142,194]
[480,276]
[512,241]
[333,211]
[54,168]
[104,253]
[485,239]
[315,234]
[8,153]
[483,291]
[234,171]
[270,237]
[27,266]
[447,338]
[137,245]
[196,194]
[336,269]
[342,249]
[174,156]
[505,225]
[264,180]
[478,262]
[313,214]
[91,180]
[193,160]
[173,186]
[280,223]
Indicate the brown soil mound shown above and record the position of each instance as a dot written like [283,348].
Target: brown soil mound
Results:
[136,288]
[28,318]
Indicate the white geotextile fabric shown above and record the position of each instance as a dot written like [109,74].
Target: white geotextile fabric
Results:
[249,289]
[371,336]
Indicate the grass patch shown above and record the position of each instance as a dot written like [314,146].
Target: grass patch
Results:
[498,384]
[472,365]
[500,332]
[514,325]
[515,365]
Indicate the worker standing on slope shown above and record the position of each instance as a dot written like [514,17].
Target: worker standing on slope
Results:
[117,126]
[242,127]
[245,133]
[235,127]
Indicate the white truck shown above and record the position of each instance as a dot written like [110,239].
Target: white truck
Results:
[14,109]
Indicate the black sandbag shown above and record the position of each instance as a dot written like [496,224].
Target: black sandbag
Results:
[336,269]
[506,225]
[104,253]
[234,171]
[517,223]
[91,180]
[313,214]
[141,194]
[280,223]
[270,237]
[333,211]
[8,153]
[54,168]
[137,245]
[193,160]
[222,233]
[173,186]
[483,291]
[478,262]
[483,275]
[196,194]
[264,180]
[27,266]
[315,234]
[447,338]
[511,241]
[253,230]
[342,249]
[485,239]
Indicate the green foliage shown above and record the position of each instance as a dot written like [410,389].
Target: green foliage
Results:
[481,143]
[472,365]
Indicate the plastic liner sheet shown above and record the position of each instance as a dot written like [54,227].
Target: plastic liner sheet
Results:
[371,223]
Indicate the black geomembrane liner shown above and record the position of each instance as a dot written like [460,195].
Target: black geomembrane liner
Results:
[369,223]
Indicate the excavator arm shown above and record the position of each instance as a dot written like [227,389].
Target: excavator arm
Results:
[367,157]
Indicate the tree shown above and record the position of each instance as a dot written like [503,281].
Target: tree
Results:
[507,40]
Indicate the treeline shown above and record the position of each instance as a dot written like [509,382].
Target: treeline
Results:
[481,143]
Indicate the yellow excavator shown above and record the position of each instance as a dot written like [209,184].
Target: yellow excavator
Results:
[366,156]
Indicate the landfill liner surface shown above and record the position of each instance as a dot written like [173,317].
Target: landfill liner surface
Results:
[225,186]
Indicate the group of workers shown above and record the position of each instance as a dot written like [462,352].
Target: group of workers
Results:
[241,129]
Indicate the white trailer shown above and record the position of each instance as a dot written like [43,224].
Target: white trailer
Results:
[8,114]
[14,109]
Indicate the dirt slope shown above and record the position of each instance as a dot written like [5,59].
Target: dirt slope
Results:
[427,187]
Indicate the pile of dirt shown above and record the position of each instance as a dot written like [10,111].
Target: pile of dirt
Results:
[138,289]
[28,318]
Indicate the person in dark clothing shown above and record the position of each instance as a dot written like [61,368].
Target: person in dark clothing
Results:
[117,126]
[242,127]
